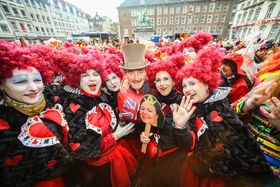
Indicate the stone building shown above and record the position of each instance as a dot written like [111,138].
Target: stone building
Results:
[39,20]
[169,17]
[258,16]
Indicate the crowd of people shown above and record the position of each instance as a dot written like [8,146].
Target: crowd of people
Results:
[189,113]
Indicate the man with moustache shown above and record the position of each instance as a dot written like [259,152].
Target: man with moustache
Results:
[134,87]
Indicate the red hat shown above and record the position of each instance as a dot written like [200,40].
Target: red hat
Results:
[237,59]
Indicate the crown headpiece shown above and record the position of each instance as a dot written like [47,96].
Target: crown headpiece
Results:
[150,99]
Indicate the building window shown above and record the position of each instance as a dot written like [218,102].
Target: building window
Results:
[38,17]
[158,31]
[188,29]
[134,23]
[4,28]
[274,32]
[218,8]
[213,30]
[29,27]
[183,20]
[262,28]
[171,10]
[191,8]
[209,18]
[223,19]
[158,21]
[165,21]
[15,11]
[202,19]
[170,30]
[22,26]
[37,29]
[164,30]
[14,25]
[159,10]
[257,13]
[194,29]
[225,8]
[207,28]
[244,17]
[177,20]
[216,19]
[189,19]
[185,9]
[204,8]
[165,10]
[220,29]
[270,10]
[197,8]
[250,15]
[23,13]
[211,7]
[170,21]
[6,9]
[195,20]
[178,10]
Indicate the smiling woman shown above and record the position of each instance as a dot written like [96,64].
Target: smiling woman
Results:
[34,141]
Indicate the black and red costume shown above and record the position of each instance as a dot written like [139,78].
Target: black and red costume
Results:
[172,147]
[225,153]
[33,149]
[93,112]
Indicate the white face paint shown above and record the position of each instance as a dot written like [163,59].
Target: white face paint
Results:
[164,83]
[90,82]
[25,86]
[113,82]
[195,88]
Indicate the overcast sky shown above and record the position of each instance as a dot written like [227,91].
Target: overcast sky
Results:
[102,7]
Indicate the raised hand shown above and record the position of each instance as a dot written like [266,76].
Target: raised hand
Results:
[259,95]
[145,139]
[182,113]
[273,116]
[122,131]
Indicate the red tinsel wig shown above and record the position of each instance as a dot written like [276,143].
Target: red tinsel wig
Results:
[198,41]
[171,66]
[204,68]
[80,64]
[13,56]
[112,63]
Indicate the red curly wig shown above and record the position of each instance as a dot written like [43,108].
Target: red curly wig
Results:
[171,66]
[13,56]
[80,64]
[112,63]
[198,41]
[204,68]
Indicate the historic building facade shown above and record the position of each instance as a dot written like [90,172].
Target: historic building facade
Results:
[38,20]
[177,16]
[257,15]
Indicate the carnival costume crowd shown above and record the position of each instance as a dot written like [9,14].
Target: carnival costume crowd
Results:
[76,114]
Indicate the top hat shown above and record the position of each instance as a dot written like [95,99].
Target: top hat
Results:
[134,56]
